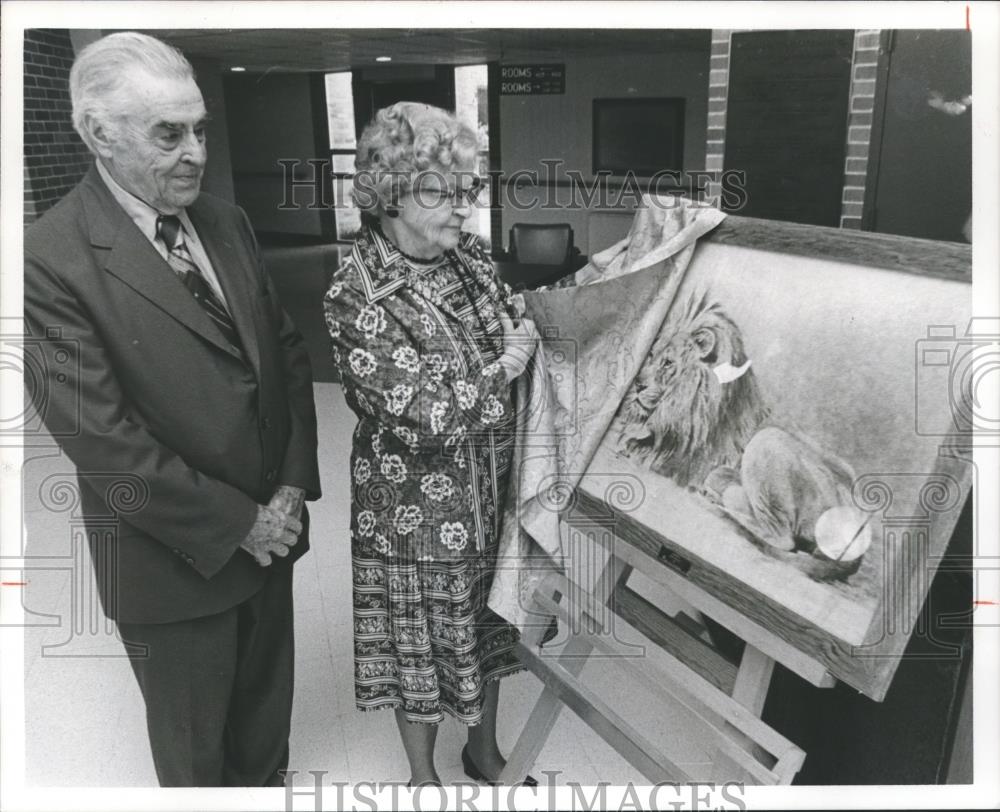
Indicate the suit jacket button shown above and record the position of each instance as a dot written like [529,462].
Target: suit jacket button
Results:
[266,423]
[270,476]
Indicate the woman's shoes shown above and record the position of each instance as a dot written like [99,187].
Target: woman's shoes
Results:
[476,774]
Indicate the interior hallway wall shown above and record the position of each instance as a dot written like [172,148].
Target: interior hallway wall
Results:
[557,126]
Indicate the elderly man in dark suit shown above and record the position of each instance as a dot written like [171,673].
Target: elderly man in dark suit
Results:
[189,375]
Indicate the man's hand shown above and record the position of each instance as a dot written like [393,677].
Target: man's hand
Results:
[274,533]
[289,500]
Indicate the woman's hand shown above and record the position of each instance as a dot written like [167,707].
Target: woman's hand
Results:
[519,345]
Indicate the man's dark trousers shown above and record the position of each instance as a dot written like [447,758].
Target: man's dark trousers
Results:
[218,690]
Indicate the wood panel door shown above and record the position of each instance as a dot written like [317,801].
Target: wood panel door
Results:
[786,122]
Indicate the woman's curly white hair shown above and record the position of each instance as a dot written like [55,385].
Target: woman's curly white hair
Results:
[405,139]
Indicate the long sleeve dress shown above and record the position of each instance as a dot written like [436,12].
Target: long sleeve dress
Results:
[417,345]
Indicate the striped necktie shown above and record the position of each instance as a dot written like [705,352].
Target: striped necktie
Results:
[168,228]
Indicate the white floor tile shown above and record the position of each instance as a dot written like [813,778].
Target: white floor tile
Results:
[305,584]
[376,752]
[312,646]
[317,740]
[663,722]
[81,711]
[565,758]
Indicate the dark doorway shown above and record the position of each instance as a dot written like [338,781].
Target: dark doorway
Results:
[920,169]
[375,88]
[786,122]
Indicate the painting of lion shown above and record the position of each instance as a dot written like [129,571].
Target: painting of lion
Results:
[696,414]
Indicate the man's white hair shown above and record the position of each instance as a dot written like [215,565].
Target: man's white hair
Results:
[100,72]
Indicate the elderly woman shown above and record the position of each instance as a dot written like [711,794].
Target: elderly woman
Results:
[424,335]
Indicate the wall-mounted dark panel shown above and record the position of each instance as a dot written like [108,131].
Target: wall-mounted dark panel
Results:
[922,177]
[786,122]
[638,136]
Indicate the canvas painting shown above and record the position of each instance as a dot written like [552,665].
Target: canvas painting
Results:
[697,414]
[779,408]
[791,430]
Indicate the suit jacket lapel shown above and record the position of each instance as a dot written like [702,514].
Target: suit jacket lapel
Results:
[229,258]
[133,259]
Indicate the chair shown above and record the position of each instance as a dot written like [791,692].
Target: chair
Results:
[542,244]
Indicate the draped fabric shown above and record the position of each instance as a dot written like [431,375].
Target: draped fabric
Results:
[596,333]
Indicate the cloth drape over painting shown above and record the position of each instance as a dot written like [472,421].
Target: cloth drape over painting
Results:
[595,336]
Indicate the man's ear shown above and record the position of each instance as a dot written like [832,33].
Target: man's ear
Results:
[101,135]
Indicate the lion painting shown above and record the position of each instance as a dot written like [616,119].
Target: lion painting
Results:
[695,413]
[679,418]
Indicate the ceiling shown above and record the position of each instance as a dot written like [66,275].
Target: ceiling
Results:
[327,49]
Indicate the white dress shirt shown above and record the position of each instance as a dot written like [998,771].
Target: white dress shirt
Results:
[144,216]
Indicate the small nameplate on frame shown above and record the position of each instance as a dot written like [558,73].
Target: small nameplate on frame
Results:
[674,560]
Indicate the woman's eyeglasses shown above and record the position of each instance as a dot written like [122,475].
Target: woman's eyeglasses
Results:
[457,197]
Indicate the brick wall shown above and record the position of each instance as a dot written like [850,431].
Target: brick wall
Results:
[859,126]
[859,123]
[54,156]
[718,93]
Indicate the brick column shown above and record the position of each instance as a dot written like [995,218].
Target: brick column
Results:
[859,125]
[718,93]
[55,159]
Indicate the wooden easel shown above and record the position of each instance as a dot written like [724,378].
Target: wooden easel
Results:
[724,700]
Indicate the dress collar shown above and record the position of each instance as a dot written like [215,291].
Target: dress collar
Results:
[384,269]
[381,266]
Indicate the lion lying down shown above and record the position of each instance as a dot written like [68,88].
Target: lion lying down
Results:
[696,415]
[790,495]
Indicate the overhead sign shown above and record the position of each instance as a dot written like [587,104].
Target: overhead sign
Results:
[532,80]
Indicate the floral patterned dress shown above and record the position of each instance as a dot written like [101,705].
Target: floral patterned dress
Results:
[417,346]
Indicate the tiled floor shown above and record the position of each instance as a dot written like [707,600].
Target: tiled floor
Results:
[85,713]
